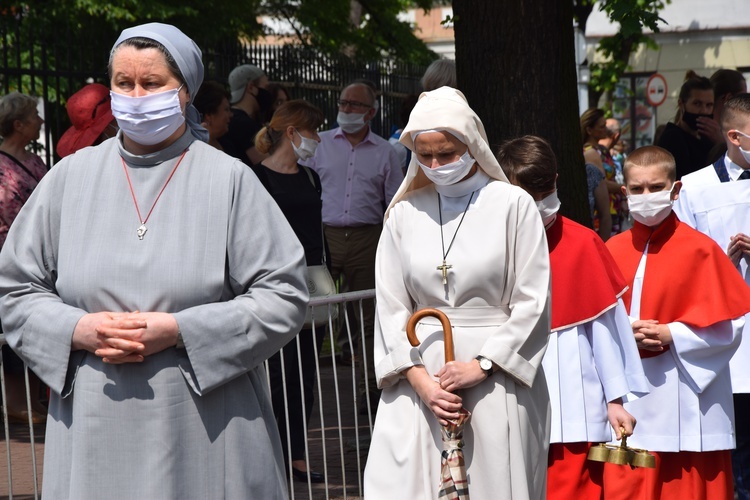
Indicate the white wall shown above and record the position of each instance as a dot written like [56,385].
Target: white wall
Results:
[700,35]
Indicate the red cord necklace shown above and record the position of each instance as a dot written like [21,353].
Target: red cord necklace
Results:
[141,232]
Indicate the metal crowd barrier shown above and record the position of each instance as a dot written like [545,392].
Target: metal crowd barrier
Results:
[337,435]
[14,441]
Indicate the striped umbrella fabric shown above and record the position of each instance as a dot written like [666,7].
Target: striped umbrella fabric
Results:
[453,482]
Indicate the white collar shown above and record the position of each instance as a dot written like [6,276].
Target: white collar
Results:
[733,170]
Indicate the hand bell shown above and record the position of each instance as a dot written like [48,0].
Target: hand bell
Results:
[620,456]
[599,453]
[642,458]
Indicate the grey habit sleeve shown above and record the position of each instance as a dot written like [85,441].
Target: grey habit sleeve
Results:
[266,269]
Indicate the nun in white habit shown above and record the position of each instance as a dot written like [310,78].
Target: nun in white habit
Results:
[145,282]
[472,245]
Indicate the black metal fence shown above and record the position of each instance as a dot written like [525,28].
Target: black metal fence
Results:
[54,61]
[319,78]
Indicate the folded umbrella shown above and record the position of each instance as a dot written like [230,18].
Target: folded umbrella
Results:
[453,481]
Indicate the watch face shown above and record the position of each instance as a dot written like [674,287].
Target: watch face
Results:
[485,364]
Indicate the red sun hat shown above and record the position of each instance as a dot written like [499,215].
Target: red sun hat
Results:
[90,113]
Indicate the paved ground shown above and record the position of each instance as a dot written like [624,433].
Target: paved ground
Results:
[337,450]
[331,451]
[22,461]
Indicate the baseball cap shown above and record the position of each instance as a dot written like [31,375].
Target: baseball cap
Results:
[239,77]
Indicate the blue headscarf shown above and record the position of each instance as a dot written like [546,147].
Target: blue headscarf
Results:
[186,54]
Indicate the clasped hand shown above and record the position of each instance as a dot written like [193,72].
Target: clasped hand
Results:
[125,337]
[739,245]
[456,375]
[650,335]
[439,395]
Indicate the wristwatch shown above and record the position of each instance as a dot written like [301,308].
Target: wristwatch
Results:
[486,365]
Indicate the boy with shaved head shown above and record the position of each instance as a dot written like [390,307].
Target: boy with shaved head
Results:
[716,201]
[686,304]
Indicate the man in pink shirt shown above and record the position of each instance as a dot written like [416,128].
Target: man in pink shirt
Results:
[360,173]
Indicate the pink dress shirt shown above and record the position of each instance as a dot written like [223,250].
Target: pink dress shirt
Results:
[358,181]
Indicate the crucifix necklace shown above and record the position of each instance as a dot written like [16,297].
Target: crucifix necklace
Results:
[444,268]
[141,232]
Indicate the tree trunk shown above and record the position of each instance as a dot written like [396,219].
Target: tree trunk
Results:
[355,18]
[355,13]
[515,63]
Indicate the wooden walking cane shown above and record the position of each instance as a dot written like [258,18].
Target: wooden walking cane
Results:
[453,481]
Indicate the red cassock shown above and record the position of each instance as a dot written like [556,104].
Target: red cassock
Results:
[585,284]
[689,280]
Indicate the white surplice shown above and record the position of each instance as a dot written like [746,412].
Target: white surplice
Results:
[497,300]
[720,210]
[689,406]
[587,366]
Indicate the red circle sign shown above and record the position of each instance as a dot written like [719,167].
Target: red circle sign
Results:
[656,90]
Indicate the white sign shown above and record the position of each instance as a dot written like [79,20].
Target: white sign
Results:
[656,90]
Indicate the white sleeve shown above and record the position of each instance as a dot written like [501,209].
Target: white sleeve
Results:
[392,351]
[682,207]
[616,354]
[701,353]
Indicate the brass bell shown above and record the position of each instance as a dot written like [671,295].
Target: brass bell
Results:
[621,455]
[642,458]
[599,453]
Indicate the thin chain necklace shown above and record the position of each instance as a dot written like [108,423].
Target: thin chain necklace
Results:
[444,268]
[141,232]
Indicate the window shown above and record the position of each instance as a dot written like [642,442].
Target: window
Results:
[636,115]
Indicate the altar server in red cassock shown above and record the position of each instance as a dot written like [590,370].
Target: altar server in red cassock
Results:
[686,304]
[591,360]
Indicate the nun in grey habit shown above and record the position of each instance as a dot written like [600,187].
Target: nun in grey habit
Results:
[145,282]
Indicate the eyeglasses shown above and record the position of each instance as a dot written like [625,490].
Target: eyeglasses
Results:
[353,104]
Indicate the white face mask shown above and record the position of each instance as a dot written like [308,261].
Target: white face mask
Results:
[351,123]
[306,149]
[745,152]
[149,119]
[450,173]
[548,208]
[651,209]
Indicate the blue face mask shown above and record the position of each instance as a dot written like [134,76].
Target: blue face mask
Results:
[149,119]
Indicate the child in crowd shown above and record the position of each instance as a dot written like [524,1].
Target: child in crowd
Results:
[715,200]
[591,359]
[686,304]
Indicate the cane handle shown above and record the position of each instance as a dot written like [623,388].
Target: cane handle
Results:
[411,327]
